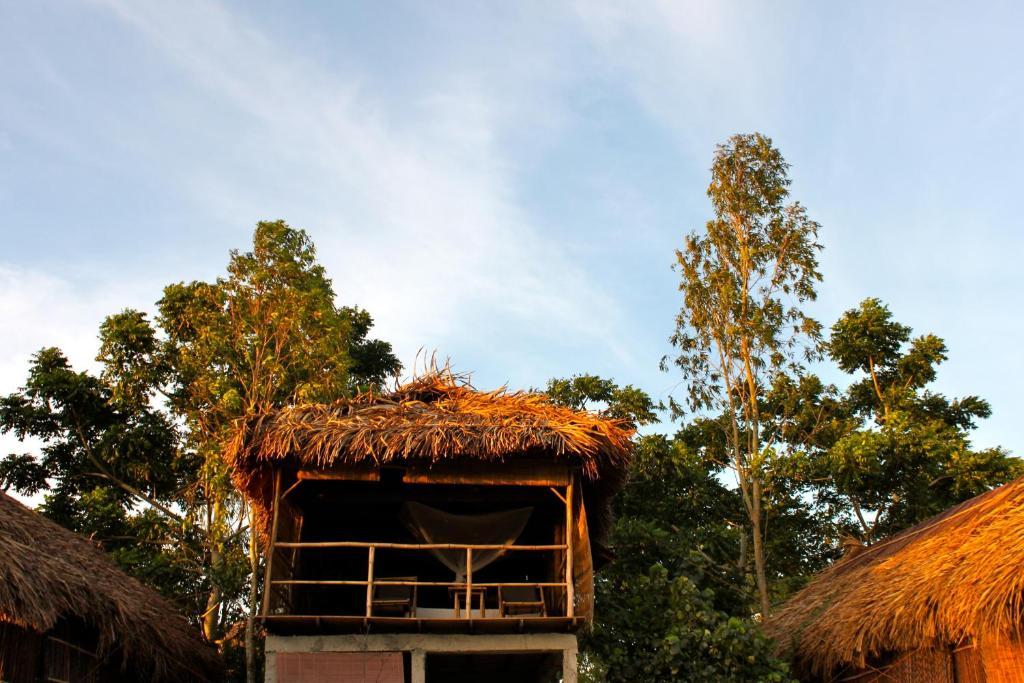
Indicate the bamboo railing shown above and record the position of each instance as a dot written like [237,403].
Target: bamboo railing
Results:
[468,585]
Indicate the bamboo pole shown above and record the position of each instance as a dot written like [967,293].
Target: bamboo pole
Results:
[369,582]
[570,588]
[469,583]
[269,569]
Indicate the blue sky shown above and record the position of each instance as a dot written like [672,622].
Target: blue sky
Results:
[506,182]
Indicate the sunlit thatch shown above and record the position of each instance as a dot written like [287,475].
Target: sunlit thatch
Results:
[49,574]
[956,578]
[435,418]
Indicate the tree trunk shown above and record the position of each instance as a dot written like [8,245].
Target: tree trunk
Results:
[211,619]
[741,563]
[250,622]
[760,572]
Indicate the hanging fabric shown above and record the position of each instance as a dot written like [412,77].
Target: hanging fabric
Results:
[431,525]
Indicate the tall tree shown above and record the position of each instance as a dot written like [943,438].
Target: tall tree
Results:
[266,335]
[744,280]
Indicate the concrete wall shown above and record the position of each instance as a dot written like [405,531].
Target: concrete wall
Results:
[419,645]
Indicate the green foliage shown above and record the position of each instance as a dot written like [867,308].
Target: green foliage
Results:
[266,335]
[148,479]
[672,605]
[105,453]
[581,392]
[665,629]
[666,604]
[744,278]
[894,453]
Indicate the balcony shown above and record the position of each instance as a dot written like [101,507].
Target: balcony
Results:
[343,562]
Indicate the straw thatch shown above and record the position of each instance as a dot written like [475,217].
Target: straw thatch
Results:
[49,574]
[956,578]
[436,418]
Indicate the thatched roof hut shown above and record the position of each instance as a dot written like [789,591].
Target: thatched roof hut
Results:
[56,585]
[433,419]
[943,600]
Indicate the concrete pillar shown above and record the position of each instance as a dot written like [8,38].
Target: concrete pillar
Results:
[419,666]
[270,667]
[569,665]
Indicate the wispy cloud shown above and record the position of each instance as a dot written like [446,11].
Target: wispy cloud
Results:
[414,207]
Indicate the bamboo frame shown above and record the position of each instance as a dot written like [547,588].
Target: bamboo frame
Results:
[567,583]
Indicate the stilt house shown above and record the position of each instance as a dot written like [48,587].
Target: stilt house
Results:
[69,615]
[435,533]
[941,602]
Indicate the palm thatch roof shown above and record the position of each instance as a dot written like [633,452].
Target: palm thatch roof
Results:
[49,574]
[955,578]
[436,418]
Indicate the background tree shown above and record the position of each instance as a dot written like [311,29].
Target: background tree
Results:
[743,281]
[667,604]
[132,456]
[109,463]
[267,335]
[902,452]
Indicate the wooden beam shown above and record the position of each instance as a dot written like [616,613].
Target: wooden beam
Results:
[527,473]
[387,582]
[290,488]
[269,555]
[499,474]
[340,473]
[416,546]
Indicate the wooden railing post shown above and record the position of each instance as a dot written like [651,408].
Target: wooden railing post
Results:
[268,572]
[369,582]
[469,583]
[570,587]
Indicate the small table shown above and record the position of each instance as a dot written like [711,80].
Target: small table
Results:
[459,599]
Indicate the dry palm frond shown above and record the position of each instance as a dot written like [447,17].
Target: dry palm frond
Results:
[435,418]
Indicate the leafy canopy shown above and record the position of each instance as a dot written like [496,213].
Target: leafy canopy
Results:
[896,451]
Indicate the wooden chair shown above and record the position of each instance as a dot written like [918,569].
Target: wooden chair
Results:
[395,599]
[521,600]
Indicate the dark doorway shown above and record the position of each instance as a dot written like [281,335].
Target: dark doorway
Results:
[537,667]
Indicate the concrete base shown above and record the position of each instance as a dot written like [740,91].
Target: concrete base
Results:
[421,645]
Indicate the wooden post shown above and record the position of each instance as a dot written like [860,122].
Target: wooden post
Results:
[570,588]
[369,582]
[268,578]
[469,582]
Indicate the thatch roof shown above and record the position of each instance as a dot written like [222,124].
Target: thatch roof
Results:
[436,418]
[49,574]
[956,577]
